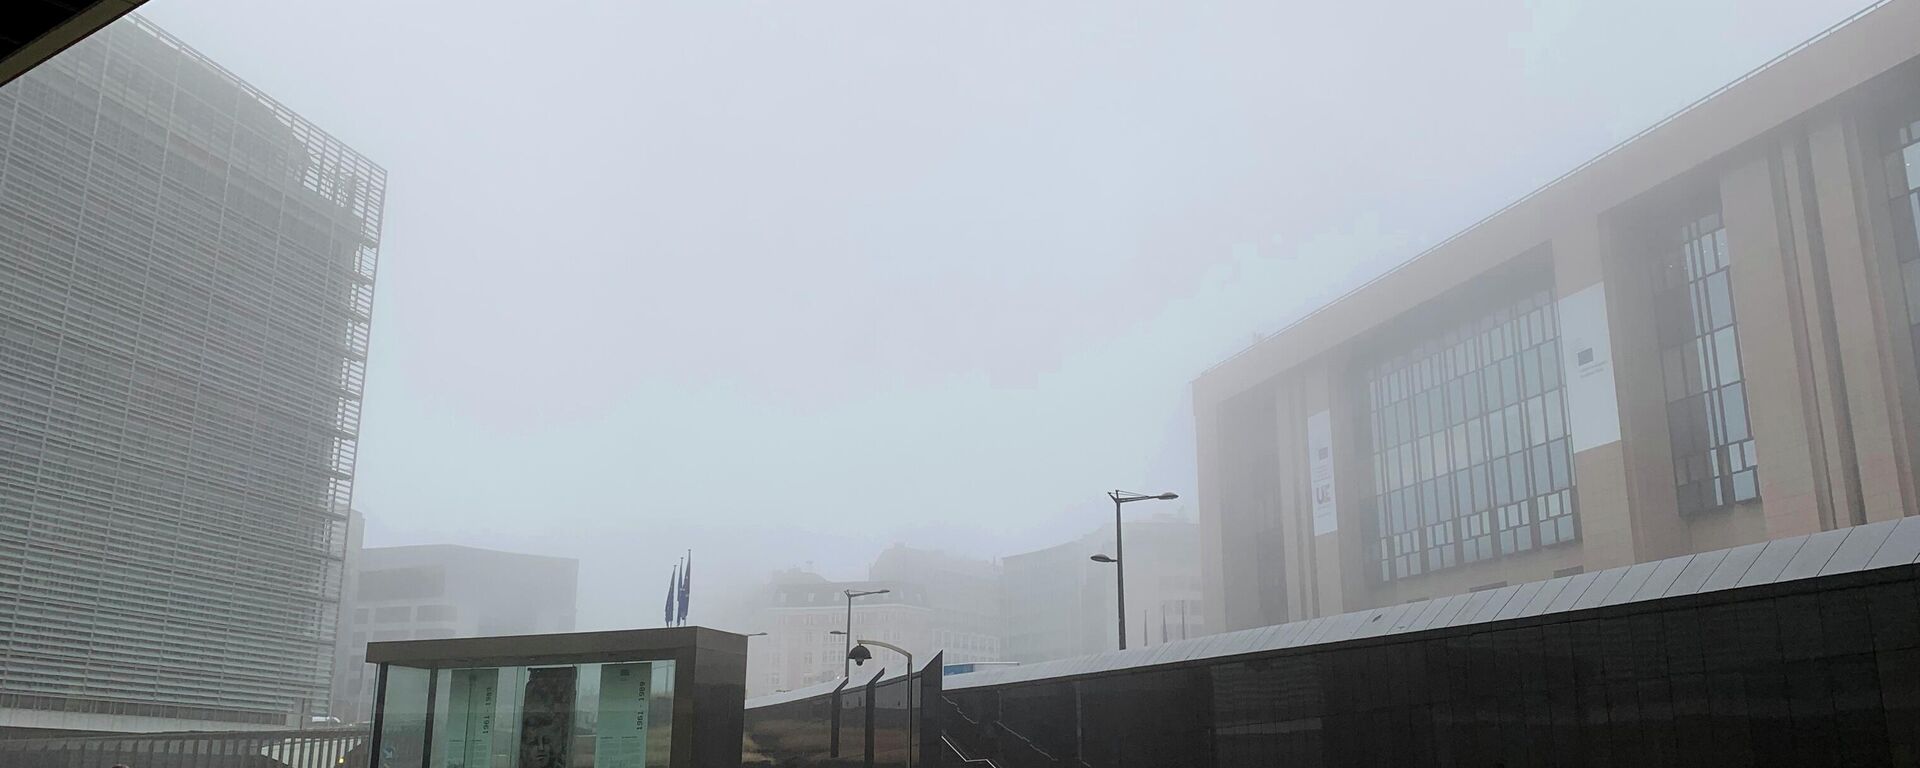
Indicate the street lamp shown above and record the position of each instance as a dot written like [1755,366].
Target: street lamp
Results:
[847,644]
[860,655]
[1119,569]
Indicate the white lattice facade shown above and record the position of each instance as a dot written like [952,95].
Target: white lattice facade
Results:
[186,285]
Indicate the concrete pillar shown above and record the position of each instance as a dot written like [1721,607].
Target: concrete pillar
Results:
[1220,608]
[1353,464]
[1873,348]
[1789,400]
[1600,471]
[1264,565]
[1656,530]
[1303,566]
[1336,573]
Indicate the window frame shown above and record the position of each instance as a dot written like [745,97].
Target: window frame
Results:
[1448,411]
[1696,324]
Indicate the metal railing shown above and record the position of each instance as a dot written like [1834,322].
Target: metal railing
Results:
[954,749]
[330,747]
[1009,745]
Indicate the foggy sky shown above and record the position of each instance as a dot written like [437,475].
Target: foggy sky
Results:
[784,282]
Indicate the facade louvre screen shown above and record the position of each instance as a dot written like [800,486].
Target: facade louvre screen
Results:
[186,283]
[1470,453]
[1714,460]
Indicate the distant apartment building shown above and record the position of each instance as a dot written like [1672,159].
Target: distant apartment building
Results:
[186,286]
[964,593]
[1703,338]
[805,610]
[439,591]
[1058,603]
[935,603]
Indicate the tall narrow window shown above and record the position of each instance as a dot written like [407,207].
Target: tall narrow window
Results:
[1714,463]
[1469,437]
[1903,182]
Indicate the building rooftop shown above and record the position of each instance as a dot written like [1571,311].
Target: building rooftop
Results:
[461,549]
[1846,55]
[1887,544]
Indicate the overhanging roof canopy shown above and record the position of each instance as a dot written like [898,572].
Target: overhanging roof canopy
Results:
[32,31]
[1885,544]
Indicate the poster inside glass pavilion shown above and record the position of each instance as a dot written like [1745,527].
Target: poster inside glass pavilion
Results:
[565,716]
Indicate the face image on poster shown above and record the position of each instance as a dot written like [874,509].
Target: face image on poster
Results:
[471,696]
[621,738]
[546,718]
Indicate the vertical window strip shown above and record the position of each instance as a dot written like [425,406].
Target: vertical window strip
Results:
[1714,460]
[1903,181]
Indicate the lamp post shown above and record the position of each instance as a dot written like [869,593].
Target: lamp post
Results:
[860,654]
[843,661]
[1119,568]
[847,644]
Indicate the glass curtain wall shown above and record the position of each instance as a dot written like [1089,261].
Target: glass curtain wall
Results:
[614,715]
[1470,455]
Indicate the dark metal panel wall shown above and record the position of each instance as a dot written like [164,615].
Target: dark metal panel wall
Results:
[31,31]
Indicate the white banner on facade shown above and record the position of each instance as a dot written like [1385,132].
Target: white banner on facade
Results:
[471,696]
[621,739]
[1586,353]
[1326,518]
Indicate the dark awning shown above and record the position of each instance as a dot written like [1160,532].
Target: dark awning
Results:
[32,31]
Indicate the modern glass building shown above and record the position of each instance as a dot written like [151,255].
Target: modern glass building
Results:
[186,282]
[640,698]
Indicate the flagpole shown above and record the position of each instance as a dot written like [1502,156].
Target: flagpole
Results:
[685,589]
[673,590]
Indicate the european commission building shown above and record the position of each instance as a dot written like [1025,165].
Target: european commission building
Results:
[186,281]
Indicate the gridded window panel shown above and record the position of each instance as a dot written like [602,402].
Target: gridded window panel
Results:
[1470,458]
[1714,461]
[1903,182]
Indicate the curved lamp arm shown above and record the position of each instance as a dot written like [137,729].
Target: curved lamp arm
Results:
[890,647]
[912,692]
